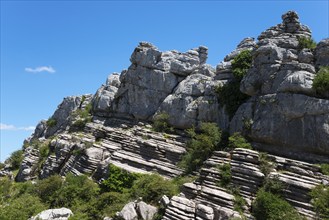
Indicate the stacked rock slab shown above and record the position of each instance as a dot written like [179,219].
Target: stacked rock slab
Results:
[133,147]
[285,115]
[205,199]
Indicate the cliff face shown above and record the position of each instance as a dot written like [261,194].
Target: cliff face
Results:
[285,117]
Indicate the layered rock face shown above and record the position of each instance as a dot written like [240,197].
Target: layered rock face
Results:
[284,112]
[207,199]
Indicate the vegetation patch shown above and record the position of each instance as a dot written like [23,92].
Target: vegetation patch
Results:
[82,116]
[118,179]
[201,145]
[238,141]
[161,123]
[324,168]
[265,164]
[271,206]
[320,201]
[321,81]
[51,122]
[225,175]
[229,94]
[15,159]
[306,42]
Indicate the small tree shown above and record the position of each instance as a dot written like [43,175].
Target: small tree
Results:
[306,42]
[161,123]
[200,146]
[321,81]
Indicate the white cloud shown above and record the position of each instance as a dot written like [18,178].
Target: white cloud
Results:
[14,128]
[40,69]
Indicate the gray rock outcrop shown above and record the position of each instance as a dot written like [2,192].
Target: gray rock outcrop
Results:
[284,112]
[54,214]
[137,210]
[63,117]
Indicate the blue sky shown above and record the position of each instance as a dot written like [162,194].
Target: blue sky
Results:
[53,49]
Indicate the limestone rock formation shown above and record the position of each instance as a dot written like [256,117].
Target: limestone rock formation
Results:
[207,199]
[137,210]
[54,214]
[284,112]
[63,117]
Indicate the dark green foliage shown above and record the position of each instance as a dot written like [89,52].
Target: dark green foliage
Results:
[320,201]
[22,208]
[118,180]
[230,96]
[107,204]
[15,159]
[75,189]
[152,187]
[268,206]
[200,146]
[225,175]
[51,122]
[241,63]
[161,123]
[238,141]
[306,42]
[46,188]
[239,203]
[325,168]
[273,185]
[265,164]
[2,165]
[83,117]
[321,81]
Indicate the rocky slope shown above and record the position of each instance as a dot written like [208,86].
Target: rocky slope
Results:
[284,116]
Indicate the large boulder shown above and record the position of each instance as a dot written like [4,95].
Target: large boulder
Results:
[54,214]
[104,96]
[194,101]
[151,77]
[287,122]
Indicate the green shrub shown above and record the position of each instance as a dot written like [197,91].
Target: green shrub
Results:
[225,175]
[325,168]
[118,180]
[108,204]
[152,187]
[22,208]
[46,188]
[320,201]
[161,123]
[265,164]
[75,190]
[82,116]
[321,81]
[2,165]
[15,159]
[238,141]
[273,185]
[241,63]
[51,122]
[231,97]
[230,94]
[306,42]
[270,206]
[239,203]
[200,146]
